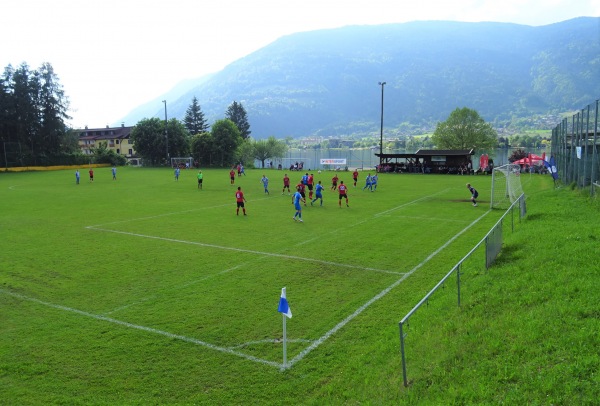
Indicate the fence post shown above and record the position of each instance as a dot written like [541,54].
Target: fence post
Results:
[403,355]
[594,153]
[458,282]
[585,145]
[512,217]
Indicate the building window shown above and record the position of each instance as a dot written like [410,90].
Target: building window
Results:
[130,151]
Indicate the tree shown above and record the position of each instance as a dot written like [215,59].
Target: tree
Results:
[237,114]
[25,108]
[203,148]
[245,152]
[33,110]
[179,138]
[53,112]
[194,119]
[269,148]
[226,139]
[516,155]
[149,139]
[465,129]
[104,155]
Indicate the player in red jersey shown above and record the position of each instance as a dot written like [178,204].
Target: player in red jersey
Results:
[334,182]
[232,176]
[343,194]
[240,199]
[286,184]
[310,183]
[355,176]
[301,187]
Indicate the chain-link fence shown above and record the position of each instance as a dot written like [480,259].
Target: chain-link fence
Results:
[575,144]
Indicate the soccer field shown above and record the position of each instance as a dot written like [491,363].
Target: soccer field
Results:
[112,278]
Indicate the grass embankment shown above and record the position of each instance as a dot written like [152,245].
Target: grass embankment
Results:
[147,291]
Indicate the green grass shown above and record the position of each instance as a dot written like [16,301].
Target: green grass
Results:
[148,291]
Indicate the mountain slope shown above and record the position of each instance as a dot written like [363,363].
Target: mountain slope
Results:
[326,82]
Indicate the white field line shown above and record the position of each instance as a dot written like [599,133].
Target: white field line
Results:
[143,328]
[381,294]
[272,341]
[439,220]
[231,351]
[167,214]
[247,262]
[185,285]
[268,254]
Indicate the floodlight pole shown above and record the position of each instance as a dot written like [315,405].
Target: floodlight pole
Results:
[166,131]
[382,84]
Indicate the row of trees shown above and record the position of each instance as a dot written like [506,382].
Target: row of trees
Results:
[33,130]
[227,142]
[33,110]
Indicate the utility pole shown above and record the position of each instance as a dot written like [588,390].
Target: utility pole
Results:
[166,131]
[382,84]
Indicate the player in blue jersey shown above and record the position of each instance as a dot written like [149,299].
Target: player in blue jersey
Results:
[265,182]
[318,194]
[368,183]
[296,202]
[374,183]
[304,179]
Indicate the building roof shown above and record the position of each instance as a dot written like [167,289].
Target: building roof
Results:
[107,133]
[445,152]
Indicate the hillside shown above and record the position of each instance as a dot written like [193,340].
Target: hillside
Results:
[326,82]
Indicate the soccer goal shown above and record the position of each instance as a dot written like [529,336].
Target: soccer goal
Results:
[182,163]
[506,186]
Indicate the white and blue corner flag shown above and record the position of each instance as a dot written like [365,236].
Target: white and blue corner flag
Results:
[552,167]
[284,307]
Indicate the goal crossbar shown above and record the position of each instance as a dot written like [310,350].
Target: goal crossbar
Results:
[186,161]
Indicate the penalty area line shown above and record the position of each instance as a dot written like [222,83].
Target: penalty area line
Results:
[268,254]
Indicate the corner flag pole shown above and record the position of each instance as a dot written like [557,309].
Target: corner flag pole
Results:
[284,341]
[284,309]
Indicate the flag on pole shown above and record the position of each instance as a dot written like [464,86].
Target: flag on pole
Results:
[552,167]
[284,307]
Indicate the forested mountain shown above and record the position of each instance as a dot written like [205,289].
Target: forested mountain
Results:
[326,82]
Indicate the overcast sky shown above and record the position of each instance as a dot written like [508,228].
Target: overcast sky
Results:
[113,55]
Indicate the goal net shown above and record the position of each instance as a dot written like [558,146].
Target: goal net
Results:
[182,163]
[506,186]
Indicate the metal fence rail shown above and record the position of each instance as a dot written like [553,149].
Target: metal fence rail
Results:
[493,244]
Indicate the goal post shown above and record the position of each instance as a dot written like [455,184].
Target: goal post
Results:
[182,162]
[506,186]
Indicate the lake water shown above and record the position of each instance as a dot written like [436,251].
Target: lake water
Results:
[365,158]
